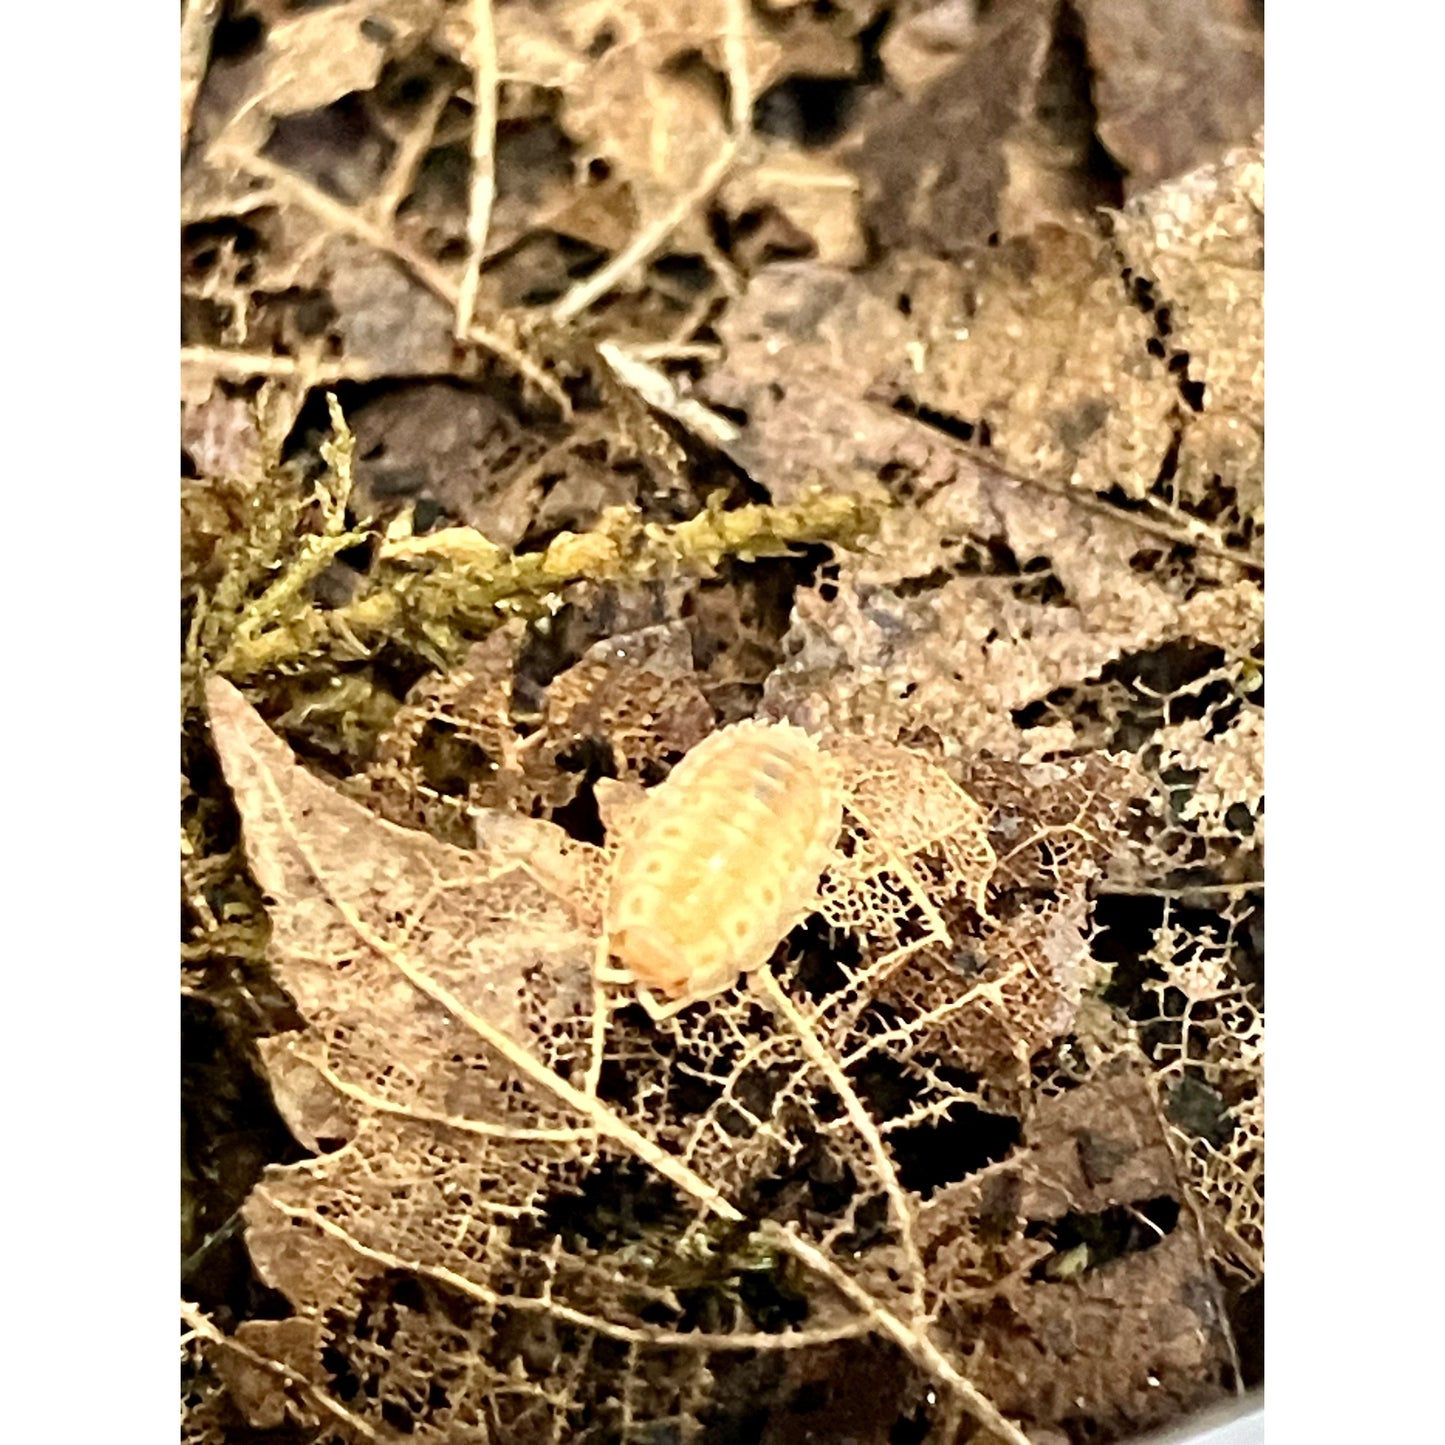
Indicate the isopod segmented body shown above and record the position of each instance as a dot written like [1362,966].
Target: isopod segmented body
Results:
[722,859]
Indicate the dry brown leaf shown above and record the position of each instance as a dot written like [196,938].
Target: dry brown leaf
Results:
[1042,349]
[926,39]
[1229,767]
[984,593]
[1174,84]
[1102,1272]
[258,1392]
[815,194]
[1047,348]
[803,345]
[329,301]
[1158,392]
[337,876]
[1199,243]
[219,433]
[458,448]
[385,319]
[921,1148]
[640,81]
[935,165]
[321,55]
[971,608]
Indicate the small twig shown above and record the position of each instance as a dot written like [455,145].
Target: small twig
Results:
[915,1027]
[1201,538]
[461,1124]
[648,240]
[914,1343]
[484,135]
[1187,890]
[1142,1218]
[729,277]
[246,364]
[198,24]
[651,237]
[411,151]
[196,1257]
[601,1019]
[656,388]
[347,221]
[201,1325]
[658,351]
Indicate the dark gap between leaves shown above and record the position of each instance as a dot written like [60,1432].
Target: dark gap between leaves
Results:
[1107,1235]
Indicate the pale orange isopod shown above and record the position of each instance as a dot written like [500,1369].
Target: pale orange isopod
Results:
[720,862]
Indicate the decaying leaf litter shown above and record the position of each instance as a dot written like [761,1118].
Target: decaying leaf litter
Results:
[563,382]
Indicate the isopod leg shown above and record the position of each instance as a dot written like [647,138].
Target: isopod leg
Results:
[601,1016]
[604,970]
[656,1009]
[605,973]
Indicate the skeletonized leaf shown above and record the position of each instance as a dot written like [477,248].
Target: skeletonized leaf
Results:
[351,894]
[449,1078]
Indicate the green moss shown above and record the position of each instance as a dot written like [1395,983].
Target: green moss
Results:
[433,595]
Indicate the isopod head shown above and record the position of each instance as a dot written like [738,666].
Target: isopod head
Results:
[653,959]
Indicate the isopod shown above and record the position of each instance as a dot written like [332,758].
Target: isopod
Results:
[721,860]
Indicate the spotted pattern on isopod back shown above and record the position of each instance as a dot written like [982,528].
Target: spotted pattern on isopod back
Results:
[723,858]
